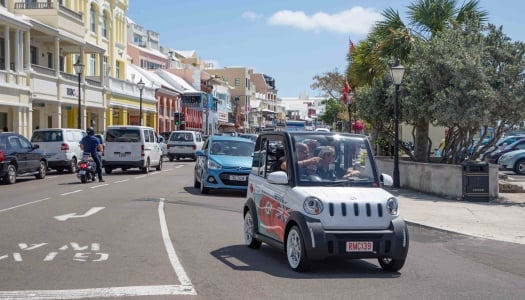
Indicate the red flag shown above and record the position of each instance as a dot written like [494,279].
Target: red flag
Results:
[351,46]
[346,91]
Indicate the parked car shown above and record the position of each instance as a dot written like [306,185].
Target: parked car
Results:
[19,157]
[311,216]
[62,146]
[500,144]
[517,145]
[129,146]
[322,129]
[513,161]
[223,163]
[250,136]
[184,144]
[165,134]
[230,133]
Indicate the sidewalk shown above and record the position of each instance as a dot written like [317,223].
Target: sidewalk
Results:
[502,219]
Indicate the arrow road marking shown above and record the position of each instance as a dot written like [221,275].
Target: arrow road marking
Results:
[90,212]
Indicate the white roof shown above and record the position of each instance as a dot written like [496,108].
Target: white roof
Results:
[176,81]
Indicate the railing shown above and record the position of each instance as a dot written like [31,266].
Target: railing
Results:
[43,70]
[34,5]
[69,76]
[68,11]
[93,82]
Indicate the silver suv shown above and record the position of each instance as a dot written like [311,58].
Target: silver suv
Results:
[62,147]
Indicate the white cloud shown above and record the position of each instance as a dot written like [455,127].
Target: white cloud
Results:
[250,15]
[357,20]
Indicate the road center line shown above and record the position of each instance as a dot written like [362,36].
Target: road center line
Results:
[140,176]
[69,193]
[175,263]
[28,203]
[97,186]
[120,181]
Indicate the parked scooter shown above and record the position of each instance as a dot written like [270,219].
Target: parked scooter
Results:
[87,168]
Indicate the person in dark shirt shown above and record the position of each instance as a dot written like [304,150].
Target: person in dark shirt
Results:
[90,144]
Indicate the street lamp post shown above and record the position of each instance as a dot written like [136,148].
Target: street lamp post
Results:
[79,68]
[397,72]
[140,84]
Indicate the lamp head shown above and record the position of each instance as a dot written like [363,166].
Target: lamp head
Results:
[397,72]
[78,66]
[141,84]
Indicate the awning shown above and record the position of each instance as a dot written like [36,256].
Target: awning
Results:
[268,111]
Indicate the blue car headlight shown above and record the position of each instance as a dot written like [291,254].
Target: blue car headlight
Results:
[213,165]
[392,206]
[313,206]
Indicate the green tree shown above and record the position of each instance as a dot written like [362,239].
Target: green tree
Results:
[392,39]
[332,85]
[476,78]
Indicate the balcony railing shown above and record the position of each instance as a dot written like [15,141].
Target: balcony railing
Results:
[43,70]
[34,5]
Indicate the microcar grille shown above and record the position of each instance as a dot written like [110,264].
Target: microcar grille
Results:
[355,209]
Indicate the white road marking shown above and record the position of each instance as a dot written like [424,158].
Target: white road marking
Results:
[120,181]
[185,288]
[130,291]
[69,193]
[90,212]
[100,185]
[28,203]
[179,166]
[138,177]
[175,263]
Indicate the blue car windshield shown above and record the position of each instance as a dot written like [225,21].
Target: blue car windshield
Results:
[232,148]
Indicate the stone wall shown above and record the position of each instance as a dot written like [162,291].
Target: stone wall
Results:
[434,178]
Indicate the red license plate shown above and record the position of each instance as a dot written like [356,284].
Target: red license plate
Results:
[359,246]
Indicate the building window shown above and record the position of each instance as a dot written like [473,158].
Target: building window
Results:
[93,19]
[33,54]
[50,60]
[105,26]
[92,64]
[117,69]
[137,39]
[237,82]
[105,65]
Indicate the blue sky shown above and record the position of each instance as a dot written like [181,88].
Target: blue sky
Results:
[291,40]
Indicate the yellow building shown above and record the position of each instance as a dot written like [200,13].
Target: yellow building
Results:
[40,43]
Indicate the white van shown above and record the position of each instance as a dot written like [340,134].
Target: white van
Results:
[129,146]
[184,143]
[62,147]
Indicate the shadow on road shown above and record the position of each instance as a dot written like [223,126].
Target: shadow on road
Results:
[273,262]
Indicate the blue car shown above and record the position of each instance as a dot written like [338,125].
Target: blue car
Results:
[225,162]
[513,161]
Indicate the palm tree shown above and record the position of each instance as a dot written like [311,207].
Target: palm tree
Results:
[392,39]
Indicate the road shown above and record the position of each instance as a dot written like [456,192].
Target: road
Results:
[154,235]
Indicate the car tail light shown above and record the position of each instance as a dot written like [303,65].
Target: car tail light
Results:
[64,147]
[142,151]
[2,156]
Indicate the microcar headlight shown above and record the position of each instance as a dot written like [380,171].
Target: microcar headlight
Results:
[213,165]
[313,206]
[391,206]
